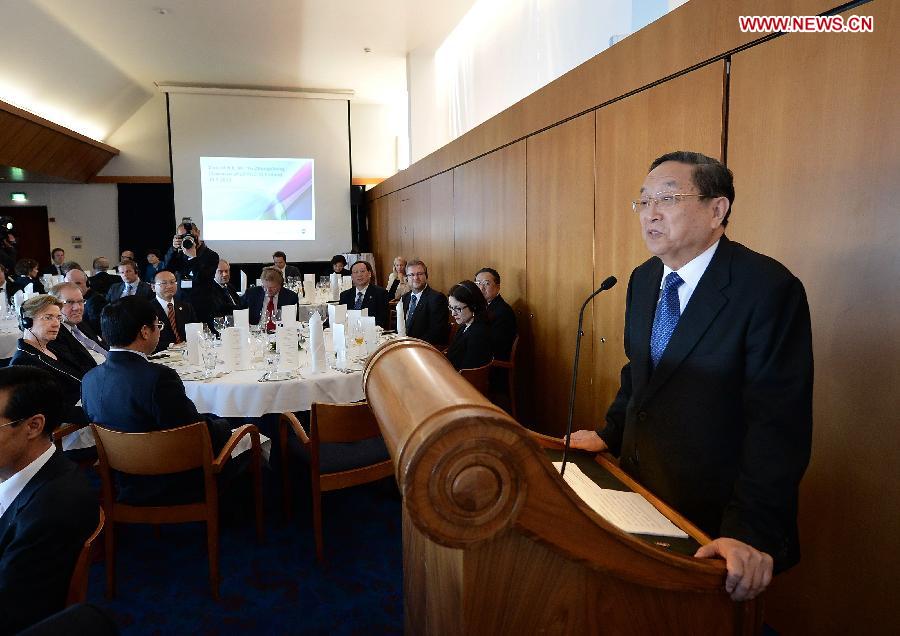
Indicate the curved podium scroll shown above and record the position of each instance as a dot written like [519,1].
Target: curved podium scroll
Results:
[495,542]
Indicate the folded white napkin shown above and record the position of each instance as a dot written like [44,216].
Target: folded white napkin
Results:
[316,344]
[192,335]
[335,283]
[401,319]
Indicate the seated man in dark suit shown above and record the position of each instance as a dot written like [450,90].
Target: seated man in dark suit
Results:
[93,302]
[279,262]
[366,295]
[47,508]
[131,284]
[77,345]
[173,314]
[57,260]
[263,301]
[8,288]
[500,315]
[427,316]
[226,298]
[129,393]
[101,280]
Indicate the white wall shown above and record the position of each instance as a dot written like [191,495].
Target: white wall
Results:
[143,142]
[379,133]
[89,211]
[429,123]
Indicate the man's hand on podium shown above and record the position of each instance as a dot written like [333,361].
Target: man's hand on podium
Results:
[749,570]
[588,440]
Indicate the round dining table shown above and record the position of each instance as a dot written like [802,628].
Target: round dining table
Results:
[9,336]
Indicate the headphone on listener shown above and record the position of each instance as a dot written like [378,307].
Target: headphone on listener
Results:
[25,322]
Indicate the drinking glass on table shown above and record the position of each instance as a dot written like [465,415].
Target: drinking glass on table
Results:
[272,360]
[210,357]
[219,323]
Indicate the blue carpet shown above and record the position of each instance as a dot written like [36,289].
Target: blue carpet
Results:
[276,588]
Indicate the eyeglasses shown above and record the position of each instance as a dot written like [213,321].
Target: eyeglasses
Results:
[21,419]
[159,325]
[484,283]
[457,309]
[166,282]
[73,302]
[417,275]
[49,317]
[663,200]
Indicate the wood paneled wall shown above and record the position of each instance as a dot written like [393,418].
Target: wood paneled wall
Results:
[810,125]
[813,142]
[40,146]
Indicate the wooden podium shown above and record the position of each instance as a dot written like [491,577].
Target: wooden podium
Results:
[495,542]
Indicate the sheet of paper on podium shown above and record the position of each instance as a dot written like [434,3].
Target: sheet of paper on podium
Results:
[628,511]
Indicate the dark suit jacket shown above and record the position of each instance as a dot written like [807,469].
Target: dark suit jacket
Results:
[721,428]
[23,281]
[502,320]
[93,307]
[201,271]
[143,290]
[102,281]
[225,300]
[52,270]
[130,394]
[73,353]
[430,319]
[68,377]
[471,347]
[255,296]
[289,271]
[184,313]
[375,300]
[150,271]
[40,538]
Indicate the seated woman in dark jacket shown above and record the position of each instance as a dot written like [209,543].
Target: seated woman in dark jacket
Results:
[40,321]
[27,272]
[471,346]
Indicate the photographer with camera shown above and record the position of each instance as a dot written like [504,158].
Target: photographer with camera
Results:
[194,266]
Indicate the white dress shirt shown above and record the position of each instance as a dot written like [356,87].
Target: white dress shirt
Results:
[137,353]
[11,488]
[691,273]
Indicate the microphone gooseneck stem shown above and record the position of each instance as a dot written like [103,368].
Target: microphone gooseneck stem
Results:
[606,284]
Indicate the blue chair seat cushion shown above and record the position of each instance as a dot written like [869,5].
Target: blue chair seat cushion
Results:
[337,457]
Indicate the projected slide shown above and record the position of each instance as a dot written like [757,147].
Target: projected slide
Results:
[253,199]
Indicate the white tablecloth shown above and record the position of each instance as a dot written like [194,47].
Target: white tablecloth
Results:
[9,336]
[239,394]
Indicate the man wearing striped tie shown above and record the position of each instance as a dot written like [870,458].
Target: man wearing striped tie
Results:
[714,412]
[173,314]
[77,344]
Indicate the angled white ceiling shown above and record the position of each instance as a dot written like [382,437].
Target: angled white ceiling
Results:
[95,61]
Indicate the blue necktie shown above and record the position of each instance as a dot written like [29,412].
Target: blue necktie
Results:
[412,309]
[668,311]
[359,299]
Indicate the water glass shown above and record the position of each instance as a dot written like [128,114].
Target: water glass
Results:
[272,360]
[210,358]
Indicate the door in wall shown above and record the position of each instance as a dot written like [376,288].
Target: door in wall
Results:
[31,231]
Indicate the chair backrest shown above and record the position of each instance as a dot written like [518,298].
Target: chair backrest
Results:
[342,423]
[78,584]
[479,377]
[62,430]
[513,350]
[157,453]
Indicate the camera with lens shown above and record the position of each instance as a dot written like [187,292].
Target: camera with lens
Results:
[187,240]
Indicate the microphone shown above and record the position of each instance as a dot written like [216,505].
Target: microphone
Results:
[606,284]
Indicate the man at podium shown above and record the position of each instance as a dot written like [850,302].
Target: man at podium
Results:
[714,410]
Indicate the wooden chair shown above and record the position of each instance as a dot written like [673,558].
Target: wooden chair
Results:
[479,377]
[510,366]
[78,585]
[171,451]
[333,424]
